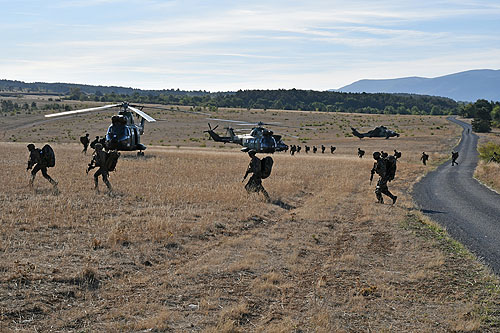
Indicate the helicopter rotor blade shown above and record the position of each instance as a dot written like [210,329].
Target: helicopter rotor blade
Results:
[142,114]
[82,110]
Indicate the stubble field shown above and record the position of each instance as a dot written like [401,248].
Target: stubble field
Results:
[180,246]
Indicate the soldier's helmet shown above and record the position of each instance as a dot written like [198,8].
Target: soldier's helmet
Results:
[31,147]
[376,155]
[252,152]
[98,146]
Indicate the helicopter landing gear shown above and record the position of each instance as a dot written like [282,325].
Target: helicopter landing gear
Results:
[140,154]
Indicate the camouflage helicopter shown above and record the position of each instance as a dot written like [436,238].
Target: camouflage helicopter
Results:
[259,139]
[377,132]
[123,134]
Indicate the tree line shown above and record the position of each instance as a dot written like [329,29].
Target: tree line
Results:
[485,114]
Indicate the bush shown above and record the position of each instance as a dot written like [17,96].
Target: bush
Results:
[486,151]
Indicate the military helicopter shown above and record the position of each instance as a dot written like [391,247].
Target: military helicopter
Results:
[123,134]
[259,139]
[377,132]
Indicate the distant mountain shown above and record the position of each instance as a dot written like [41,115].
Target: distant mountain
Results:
[464,86]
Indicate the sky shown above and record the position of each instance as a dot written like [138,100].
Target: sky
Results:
[230,45]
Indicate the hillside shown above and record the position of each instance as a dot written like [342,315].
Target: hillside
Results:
[464,86]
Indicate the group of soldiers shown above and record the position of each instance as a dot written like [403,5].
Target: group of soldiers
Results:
[104,161]
[384,166]
[297,148]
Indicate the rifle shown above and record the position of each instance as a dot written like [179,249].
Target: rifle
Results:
[91,166]
[371,177]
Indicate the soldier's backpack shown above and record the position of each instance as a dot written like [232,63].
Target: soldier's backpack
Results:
[267,166]
[112,160]
[48,156]
[390,167]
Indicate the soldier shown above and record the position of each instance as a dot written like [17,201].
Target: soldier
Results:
[293,149]
[255,182]
[361,153]
[323,149]
[424,158]
[495,157]
[332,149]
[307,149]
[299,148]
[85,142]
[386,174]
[397,154]
[96,140]
[315,149]
[454,156]
[40,164]
[99,160]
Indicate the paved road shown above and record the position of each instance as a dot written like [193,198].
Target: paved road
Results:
[468,210]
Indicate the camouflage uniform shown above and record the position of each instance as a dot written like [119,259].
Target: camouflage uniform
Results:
[424,158]
[380,168]
[85,142]
[39,164]
[454,156]
[255,182]
[99,160]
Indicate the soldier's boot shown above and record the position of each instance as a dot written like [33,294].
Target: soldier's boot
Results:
[96,185]
[53,182]
[108,184]
[266,195]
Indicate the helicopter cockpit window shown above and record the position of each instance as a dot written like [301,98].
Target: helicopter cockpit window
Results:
[118,131]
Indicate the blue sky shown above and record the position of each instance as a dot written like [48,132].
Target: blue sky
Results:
[231,45]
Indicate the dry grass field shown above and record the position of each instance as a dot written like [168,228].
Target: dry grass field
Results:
[180,246]
[489,173]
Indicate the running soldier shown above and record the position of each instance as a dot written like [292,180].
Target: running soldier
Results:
[255,182]
[99,159]
[332,149]
[85,142]
[307,149]
[315,149]
[293,149]
[323,149]
[424,158]
[454,156]
[40,162]
[299,148]
[386,169]
[361,153]
[96,140]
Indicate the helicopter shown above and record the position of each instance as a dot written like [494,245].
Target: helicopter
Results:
[123,134]
[377,132]
[259,139]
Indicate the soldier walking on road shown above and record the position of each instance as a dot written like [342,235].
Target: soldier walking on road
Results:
[386,169]
[293,148]
[255,182]
[85,142]
[315,149]
[454,156]
[397,154]
[323,149]
[307,149]
[40,162]
[424,158]
[299,148]
[361,153]
[332,149]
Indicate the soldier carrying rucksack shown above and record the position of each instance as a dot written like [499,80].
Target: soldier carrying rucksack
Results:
[85,142]
[40,160]
[260,169]
[386,169]
[106,162]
